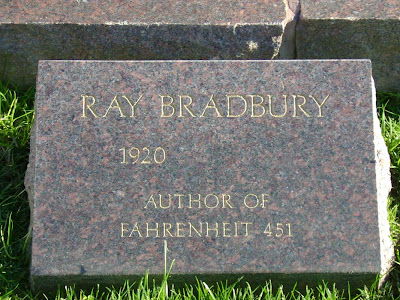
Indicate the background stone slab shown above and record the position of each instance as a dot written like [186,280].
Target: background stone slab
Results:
[353,29]
[137,30]
[110,30]
[320,173]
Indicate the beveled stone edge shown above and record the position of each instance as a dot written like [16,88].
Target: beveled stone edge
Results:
[29,178]
[383,187]
[29,183]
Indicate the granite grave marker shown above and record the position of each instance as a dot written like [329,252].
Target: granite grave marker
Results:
[262,169]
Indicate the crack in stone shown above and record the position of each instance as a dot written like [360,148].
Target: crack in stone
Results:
[288,47]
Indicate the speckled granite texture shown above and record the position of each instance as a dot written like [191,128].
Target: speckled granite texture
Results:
[178,29]
[150,29]
[315,163]
[353,29]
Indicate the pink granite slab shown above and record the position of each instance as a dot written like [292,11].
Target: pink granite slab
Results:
[353,29]
[131,30]
[288,192]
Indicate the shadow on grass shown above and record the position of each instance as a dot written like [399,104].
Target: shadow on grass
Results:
[16,117]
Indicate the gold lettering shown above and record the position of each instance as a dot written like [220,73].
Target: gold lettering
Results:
[264,200]
[319,104]
[245,200]
[117,106]
[216,203]
[300,106]
[224,229]
[166,230]
[148,229]
[188,229]
[236,229]
[164,105]
[229,114]
[179,229]
[246,224]
[199,232]
[225,200]
[179,200]
[151,200]
[186,106]
[194,200]
[260,104]
[135,229]
[214,229]
[169,201]
[123,228]
[133,106]
[86,106]
[271,107]
[213,105]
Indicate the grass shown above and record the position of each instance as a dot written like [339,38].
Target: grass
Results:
[16,117]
